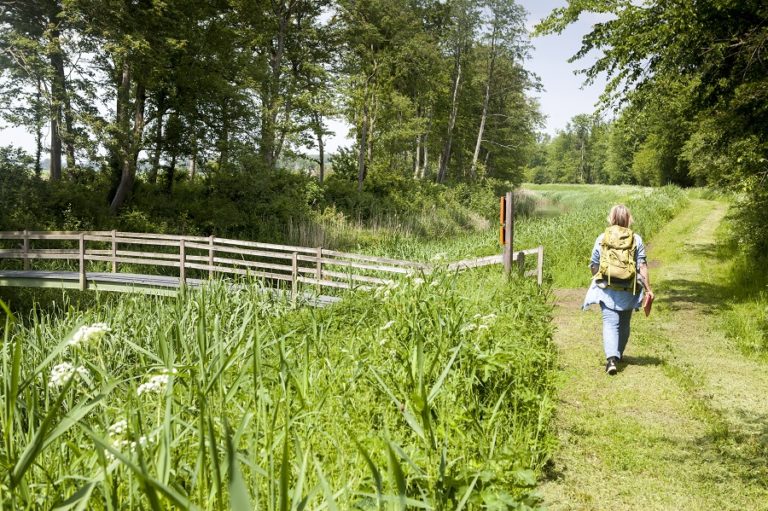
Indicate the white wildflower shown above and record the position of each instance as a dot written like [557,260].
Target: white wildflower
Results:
[142,441]
[418,281]
[438,257]
[388,325]
[61,374]
[489,318]
[482,327]
[118,428]
[119,444]
[89,333]
[155,385]
[469,327]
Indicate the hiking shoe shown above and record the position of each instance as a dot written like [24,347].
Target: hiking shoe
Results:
[610,366]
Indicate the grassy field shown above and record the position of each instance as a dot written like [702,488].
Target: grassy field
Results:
[566,220]
[435,393]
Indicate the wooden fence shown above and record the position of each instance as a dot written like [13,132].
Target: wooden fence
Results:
[207,256]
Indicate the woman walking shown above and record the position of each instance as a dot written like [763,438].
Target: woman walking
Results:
[620,282]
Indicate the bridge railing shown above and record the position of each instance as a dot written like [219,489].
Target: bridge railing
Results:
[195,257]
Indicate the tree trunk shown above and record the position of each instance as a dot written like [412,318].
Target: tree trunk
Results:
[425,147]
[445,156]
[55,154]
[361,163]
[60,97]
[39,122]
[193,158]
[491,63]
[170,174]
[193,164]
[320,145]
[417,158]
[270,97]
[152,178]
[224,139]
[130,138]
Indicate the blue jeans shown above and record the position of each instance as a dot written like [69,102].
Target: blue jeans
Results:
[615,331]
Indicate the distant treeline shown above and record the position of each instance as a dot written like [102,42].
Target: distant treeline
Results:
[689,81]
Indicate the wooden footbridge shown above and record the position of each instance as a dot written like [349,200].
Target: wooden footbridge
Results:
[113,261]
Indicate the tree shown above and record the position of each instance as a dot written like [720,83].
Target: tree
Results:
[715,52]
[31,44]
[507,30]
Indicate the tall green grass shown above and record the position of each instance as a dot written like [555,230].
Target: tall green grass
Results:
[429,394]
[568,238]
[742,283]
[434,393]
[569,219]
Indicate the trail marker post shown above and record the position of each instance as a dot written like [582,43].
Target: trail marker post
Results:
[507,228]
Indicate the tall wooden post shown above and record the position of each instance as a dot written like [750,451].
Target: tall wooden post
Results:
[294,278]
[509,230]
[540,266]
[26,249]
[182,264]
[319,268]
[210,257]
[81,256]
[114,251]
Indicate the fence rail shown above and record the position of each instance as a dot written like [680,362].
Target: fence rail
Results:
[199,255]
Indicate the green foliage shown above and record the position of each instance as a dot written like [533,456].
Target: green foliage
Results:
[695,93]
[568,238]
[575,155]
[745,284]
[418,394]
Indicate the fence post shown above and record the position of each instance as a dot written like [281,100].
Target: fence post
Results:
[319,268]
[509,231]
[114,251]
[294,277]
[26,249]
[521,263]
[182,262]
[540,266]
[210,256]
[83,279]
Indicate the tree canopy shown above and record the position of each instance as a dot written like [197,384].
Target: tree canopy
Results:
[690,80]
[434,90]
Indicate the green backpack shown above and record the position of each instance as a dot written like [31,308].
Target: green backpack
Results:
[617,258]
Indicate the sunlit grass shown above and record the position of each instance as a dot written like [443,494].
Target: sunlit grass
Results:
[421,395]
[433,393]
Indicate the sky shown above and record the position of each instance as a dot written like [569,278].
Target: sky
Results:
[563,95]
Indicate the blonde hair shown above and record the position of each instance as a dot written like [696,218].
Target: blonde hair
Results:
[620,215]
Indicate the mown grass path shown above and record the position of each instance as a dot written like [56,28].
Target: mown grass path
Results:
[684,425]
